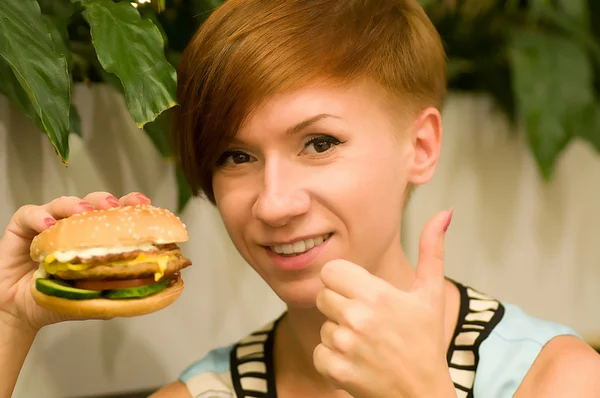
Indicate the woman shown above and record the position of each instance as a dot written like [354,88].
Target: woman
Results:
[308,123]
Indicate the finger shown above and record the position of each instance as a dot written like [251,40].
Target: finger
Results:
[134,198]
[332,305]
[30,220]
[333,366]
[430,266]
[351,280]
[67,206]
[338,338]
[102,200]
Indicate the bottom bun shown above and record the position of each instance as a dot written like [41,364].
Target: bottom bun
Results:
[100,308]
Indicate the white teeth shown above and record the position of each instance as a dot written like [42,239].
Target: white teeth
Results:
[299,247]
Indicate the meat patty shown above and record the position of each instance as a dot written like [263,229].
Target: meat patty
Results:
[96,272]
[162,249]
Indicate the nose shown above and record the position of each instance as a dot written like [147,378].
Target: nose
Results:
[281,199]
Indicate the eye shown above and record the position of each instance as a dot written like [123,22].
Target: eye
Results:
[321,144]
[233,158]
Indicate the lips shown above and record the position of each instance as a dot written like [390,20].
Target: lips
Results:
[300,246]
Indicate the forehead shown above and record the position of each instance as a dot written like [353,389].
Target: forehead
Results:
[350,103]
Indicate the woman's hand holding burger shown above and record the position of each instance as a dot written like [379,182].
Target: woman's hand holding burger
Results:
[17,306]
[95,257]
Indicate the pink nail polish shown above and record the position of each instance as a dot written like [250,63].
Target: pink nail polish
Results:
[142,197]
[86,206]
[49,221]
[450,214]
[112,201]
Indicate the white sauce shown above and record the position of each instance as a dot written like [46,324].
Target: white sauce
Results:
[66,256]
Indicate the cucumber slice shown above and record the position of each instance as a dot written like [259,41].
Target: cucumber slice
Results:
[136,292]
[53,287]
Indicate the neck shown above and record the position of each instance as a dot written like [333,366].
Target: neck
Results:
[299,332]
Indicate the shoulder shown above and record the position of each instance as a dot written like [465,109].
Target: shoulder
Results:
[566,366]
[517,354]
[227,370]
[209,375]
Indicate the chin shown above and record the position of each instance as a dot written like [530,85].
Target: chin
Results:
[300,294]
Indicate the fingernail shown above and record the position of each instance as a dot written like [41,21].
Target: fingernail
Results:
[49,221]
[112,201]
[450,214]
[142,197]
[86,206]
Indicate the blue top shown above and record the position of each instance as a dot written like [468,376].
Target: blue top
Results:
[493,347]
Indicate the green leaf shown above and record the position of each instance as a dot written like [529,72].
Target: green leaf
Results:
[577,10]
[132,48]
[553,86]
[590,126]
[61,9]
[75,121]
[10,86]
[158,131]
[184,192]
[60,36]
[27,47]
[457,66]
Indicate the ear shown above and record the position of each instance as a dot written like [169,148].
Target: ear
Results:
[426,137]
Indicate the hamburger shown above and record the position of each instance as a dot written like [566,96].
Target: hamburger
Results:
[120,262]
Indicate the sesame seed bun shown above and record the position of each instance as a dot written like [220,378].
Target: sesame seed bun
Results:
[115,249]
[117,226]
[100,308]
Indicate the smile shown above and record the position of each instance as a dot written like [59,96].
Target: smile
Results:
[299,247]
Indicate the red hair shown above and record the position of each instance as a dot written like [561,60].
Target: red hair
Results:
[248,50]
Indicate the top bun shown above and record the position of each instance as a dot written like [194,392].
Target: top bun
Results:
[114,227]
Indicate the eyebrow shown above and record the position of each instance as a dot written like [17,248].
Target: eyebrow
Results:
[300,126]
[308,122]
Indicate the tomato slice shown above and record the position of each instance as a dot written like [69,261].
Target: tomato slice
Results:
[112,284]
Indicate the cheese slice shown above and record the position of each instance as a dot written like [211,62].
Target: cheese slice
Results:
[52,267]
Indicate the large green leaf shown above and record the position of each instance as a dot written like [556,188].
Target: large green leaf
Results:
[62,9]
[27,48]
[57,26]
[577,10]
[158,131]
[184,192]
[10,86]
[553,85]
[132,48]
[590,122]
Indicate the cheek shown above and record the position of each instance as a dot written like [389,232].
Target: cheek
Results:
[367,194]
[234,203]
[371,182]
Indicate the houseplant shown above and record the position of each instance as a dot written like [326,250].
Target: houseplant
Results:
[539,60]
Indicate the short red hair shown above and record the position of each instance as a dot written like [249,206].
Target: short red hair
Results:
[248,50]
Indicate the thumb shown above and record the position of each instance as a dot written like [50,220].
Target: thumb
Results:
[430,267]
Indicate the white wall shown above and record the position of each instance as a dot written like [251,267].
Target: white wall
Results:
[512,236]
[521,239]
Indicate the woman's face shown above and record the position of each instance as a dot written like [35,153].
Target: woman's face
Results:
[320,174]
